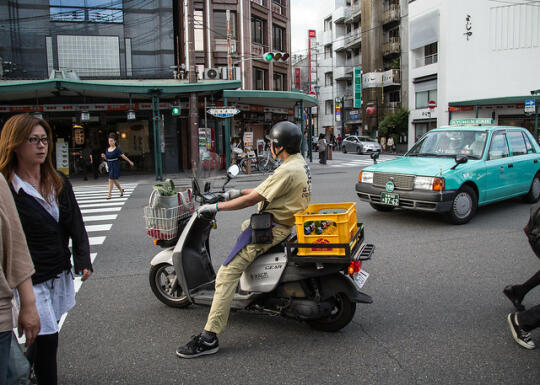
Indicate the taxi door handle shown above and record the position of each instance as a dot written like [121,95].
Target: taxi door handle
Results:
[510,165]
[535,161]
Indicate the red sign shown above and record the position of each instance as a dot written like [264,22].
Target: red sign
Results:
[371,110]
[311,33]
[432,104]
[297,78]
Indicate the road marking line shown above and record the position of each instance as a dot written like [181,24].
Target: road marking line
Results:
[95,228]
[93,241]
[94,218]
[108,204]
[103,210]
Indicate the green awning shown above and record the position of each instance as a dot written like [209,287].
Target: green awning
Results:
[483,102]
[279,99]
[28,89]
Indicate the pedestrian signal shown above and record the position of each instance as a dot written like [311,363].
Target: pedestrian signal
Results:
[276,56]
[175,110]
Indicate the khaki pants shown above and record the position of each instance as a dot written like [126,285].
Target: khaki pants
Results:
[228,277]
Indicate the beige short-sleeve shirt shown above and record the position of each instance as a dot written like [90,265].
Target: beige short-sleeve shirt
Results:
[287,190]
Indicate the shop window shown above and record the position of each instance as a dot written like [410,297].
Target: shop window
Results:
[430,54]
[328,24]
[257,30]
[259,76]
[279,82]
[328,51]
[220,24]
[329,107]
[328,79]
[278,38]
[423,97]
[94,11]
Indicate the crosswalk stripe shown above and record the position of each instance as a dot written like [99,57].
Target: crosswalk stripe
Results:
[101,199]
[100,193]
[103,210]
[93,241]
[95,228]
[101,186]
[108,204]
[95,218]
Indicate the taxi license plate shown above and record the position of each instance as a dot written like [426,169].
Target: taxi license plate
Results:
[390,199]
[360,278]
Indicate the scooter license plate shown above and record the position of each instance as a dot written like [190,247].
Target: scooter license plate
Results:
[360,278]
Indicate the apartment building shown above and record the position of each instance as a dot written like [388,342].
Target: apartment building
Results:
[472,60]
[384,61]
[256,27]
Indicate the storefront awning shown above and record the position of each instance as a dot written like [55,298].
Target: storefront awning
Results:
[138,89]
[280,99]
[501,100]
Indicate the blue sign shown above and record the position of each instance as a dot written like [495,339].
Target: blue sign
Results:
[530,106]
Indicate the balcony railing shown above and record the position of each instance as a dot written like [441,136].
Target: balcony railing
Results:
[261,2]
[392,46]
[427,60]
[391,14]
[355,61]
[353,37]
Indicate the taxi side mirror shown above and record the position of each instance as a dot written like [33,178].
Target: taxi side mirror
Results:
[460,159]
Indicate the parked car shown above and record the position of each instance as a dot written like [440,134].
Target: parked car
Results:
[360,145]
[454,169]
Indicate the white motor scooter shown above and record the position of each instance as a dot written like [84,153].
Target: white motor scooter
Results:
[323,291]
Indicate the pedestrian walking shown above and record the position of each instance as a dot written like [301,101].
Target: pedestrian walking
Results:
[390,144]
[523,321]
[339,139]
[112,155]
[87,160]
[322,146]
[16,272]
[50,216]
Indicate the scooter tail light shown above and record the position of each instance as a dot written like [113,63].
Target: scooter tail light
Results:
[354,267]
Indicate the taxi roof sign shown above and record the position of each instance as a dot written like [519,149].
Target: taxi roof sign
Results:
[471,122]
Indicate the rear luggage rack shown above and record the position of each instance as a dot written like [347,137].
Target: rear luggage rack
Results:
[359,251]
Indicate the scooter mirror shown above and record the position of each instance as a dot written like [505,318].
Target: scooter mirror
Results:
[207,187]
[195,187]
[233,170]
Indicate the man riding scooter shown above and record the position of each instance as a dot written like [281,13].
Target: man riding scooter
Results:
[284,193]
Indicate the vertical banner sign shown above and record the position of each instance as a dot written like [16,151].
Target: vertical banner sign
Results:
[338,112]
[311,61]
[62,156]
[297,78]
[357,87]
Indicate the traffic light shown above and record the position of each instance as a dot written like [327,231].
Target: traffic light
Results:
[175,110]
[276,56]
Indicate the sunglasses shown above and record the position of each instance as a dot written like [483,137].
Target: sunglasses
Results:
[36,140]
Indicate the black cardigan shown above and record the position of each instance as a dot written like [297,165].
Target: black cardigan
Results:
[48,240]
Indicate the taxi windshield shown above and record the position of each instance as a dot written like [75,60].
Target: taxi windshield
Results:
[450,144]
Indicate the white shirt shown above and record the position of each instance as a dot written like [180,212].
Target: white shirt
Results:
[52,208]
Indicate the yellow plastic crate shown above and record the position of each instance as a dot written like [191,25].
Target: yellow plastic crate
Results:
[326,223]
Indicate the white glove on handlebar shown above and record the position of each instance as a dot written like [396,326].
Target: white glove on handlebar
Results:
[232,194]
[208,209]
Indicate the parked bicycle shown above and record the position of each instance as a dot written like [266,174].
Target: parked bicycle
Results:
[267,162]
[249,162]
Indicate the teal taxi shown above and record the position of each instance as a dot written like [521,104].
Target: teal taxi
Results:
[455,169]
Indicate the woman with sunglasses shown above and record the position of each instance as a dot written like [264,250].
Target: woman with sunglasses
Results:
[50,216]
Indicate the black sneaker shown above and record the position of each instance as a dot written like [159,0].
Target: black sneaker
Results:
[198,346]
[510,292]
[520,336]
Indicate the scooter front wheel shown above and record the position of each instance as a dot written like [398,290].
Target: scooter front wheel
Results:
[166,287]
[342,313]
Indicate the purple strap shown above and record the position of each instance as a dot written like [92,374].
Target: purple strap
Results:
[243,240]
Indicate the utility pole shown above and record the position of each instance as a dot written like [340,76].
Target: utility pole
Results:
[229,57]
[192,78]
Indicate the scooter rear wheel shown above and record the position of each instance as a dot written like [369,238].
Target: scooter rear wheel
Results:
[342,313]
[166,287]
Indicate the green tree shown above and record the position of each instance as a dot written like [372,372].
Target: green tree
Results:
[395,124]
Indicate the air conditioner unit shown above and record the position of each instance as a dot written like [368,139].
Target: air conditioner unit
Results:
[236,73]
[211,73]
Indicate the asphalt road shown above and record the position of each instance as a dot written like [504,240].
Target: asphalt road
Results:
[438,316]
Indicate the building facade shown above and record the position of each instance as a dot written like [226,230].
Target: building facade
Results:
[472,60]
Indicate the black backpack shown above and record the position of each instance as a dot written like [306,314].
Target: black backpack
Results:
[532,229]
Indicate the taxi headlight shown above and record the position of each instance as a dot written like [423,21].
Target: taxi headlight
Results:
[365,177]
[423,183]
[428,183]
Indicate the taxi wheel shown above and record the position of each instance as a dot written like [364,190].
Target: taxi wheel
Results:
[534,193]
[381,207]
[464,206]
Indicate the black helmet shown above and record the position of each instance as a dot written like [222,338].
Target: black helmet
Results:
[287,135]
